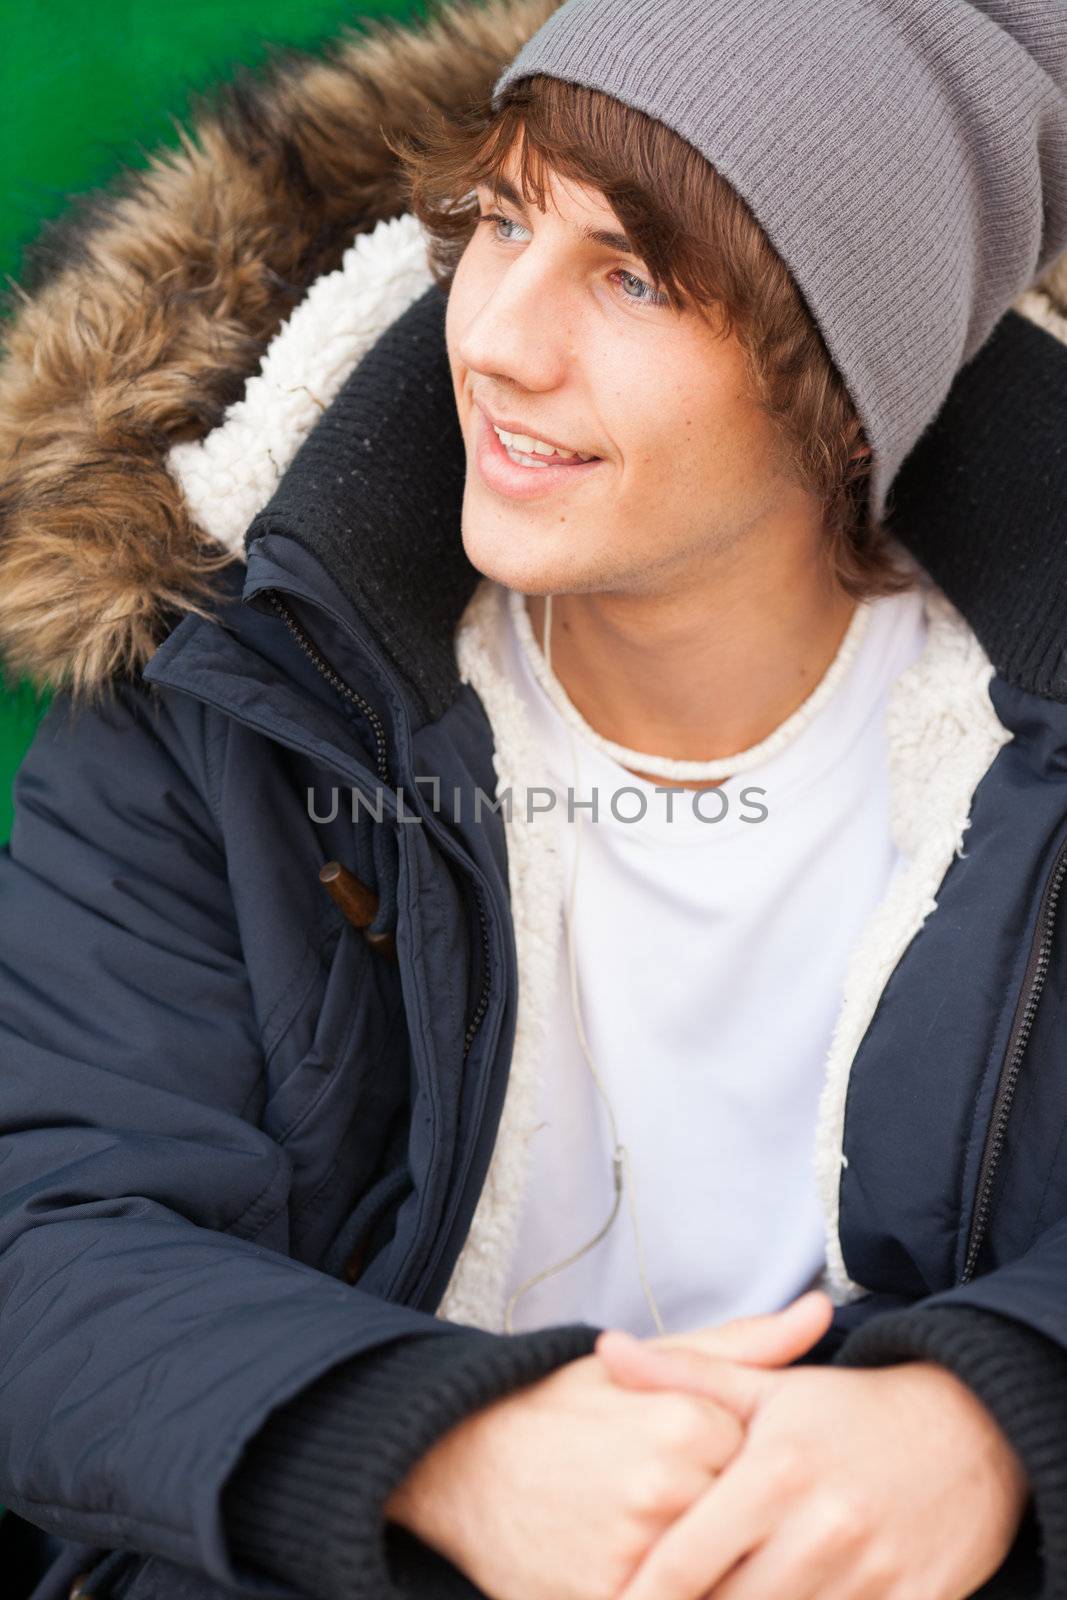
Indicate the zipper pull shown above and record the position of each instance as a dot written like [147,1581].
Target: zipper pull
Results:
[359,904]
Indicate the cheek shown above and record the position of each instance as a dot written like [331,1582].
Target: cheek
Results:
[455,317]
[468,290]
[672,434]
[713,433]
[695,450]
[637,403]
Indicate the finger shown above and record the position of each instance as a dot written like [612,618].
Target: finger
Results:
[773,1340]
[727,1523]
[719,1443]
[789,1562]
[637,1364]
[640,1364]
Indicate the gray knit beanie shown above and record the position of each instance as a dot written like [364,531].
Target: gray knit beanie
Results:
[907,159]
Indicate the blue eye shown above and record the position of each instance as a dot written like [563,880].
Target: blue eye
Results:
[501,221]
[646,294]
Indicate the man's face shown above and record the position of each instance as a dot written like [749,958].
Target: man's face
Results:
[555,333]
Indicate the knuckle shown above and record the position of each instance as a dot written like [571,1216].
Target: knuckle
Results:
[788,1466]
[685,1422]
[840,1519]
[652,1487]
[724,1437]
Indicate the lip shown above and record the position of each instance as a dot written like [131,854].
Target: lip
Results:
[500,473]
[510,425]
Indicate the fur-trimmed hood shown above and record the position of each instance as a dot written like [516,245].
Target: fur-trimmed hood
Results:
[147,309]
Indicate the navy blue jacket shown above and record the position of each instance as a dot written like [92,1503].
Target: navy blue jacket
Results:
[241,1147]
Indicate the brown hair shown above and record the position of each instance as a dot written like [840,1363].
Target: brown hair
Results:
[702,246]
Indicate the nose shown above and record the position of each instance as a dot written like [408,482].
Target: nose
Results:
[515,335]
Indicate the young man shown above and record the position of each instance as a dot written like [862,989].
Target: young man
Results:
[274,1199]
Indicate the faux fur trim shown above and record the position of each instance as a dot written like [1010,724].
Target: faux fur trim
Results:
[149,305]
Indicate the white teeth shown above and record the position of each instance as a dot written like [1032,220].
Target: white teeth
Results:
[523,447]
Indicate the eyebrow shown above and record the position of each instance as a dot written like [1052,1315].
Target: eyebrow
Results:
[506,190]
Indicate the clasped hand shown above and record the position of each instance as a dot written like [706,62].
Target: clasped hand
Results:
[892,1483]
[705,1465]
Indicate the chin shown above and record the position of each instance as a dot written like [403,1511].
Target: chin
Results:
[518,557]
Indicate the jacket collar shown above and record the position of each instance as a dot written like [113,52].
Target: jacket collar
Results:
[375,493]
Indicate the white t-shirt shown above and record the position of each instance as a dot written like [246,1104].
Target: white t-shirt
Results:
[710,958]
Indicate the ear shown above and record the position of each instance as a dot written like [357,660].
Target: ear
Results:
[862,448]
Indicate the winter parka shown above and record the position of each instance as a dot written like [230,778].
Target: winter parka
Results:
[259,1174]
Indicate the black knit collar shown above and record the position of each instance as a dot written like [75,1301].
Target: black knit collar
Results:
[376,493]
[376,490]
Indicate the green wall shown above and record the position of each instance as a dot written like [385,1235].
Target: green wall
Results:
[86,89]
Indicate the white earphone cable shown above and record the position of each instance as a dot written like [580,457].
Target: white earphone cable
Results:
[621,1169]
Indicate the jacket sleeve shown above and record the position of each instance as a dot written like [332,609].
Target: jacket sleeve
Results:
[290,1508]
[1017,1366]
[290,1511]
[146,1337]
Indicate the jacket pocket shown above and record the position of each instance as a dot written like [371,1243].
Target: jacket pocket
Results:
[337,1078]
[352,1250]
[344,1018]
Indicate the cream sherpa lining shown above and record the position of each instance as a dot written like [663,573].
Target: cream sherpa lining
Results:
[942,732]
[475,1292]
[230,474]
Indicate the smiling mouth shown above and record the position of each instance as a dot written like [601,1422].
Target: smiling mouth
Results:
[512,464]
[526,451]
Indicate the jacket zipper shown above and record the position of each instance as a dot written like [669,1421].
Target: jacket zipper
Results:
[1033,983]
[483,998]
[414,1288]
[319,660]
[334,678]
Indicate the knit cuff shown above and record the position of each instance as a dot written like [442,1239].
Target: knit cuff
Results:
[305,1505]
[1021,1377]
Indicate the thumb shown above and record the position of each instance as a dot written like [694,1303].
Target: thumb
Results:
[684,1361]
[773,1340]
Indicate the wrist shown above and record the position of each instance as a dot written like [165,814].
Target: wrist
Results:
[992,1449]
[429,1501]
